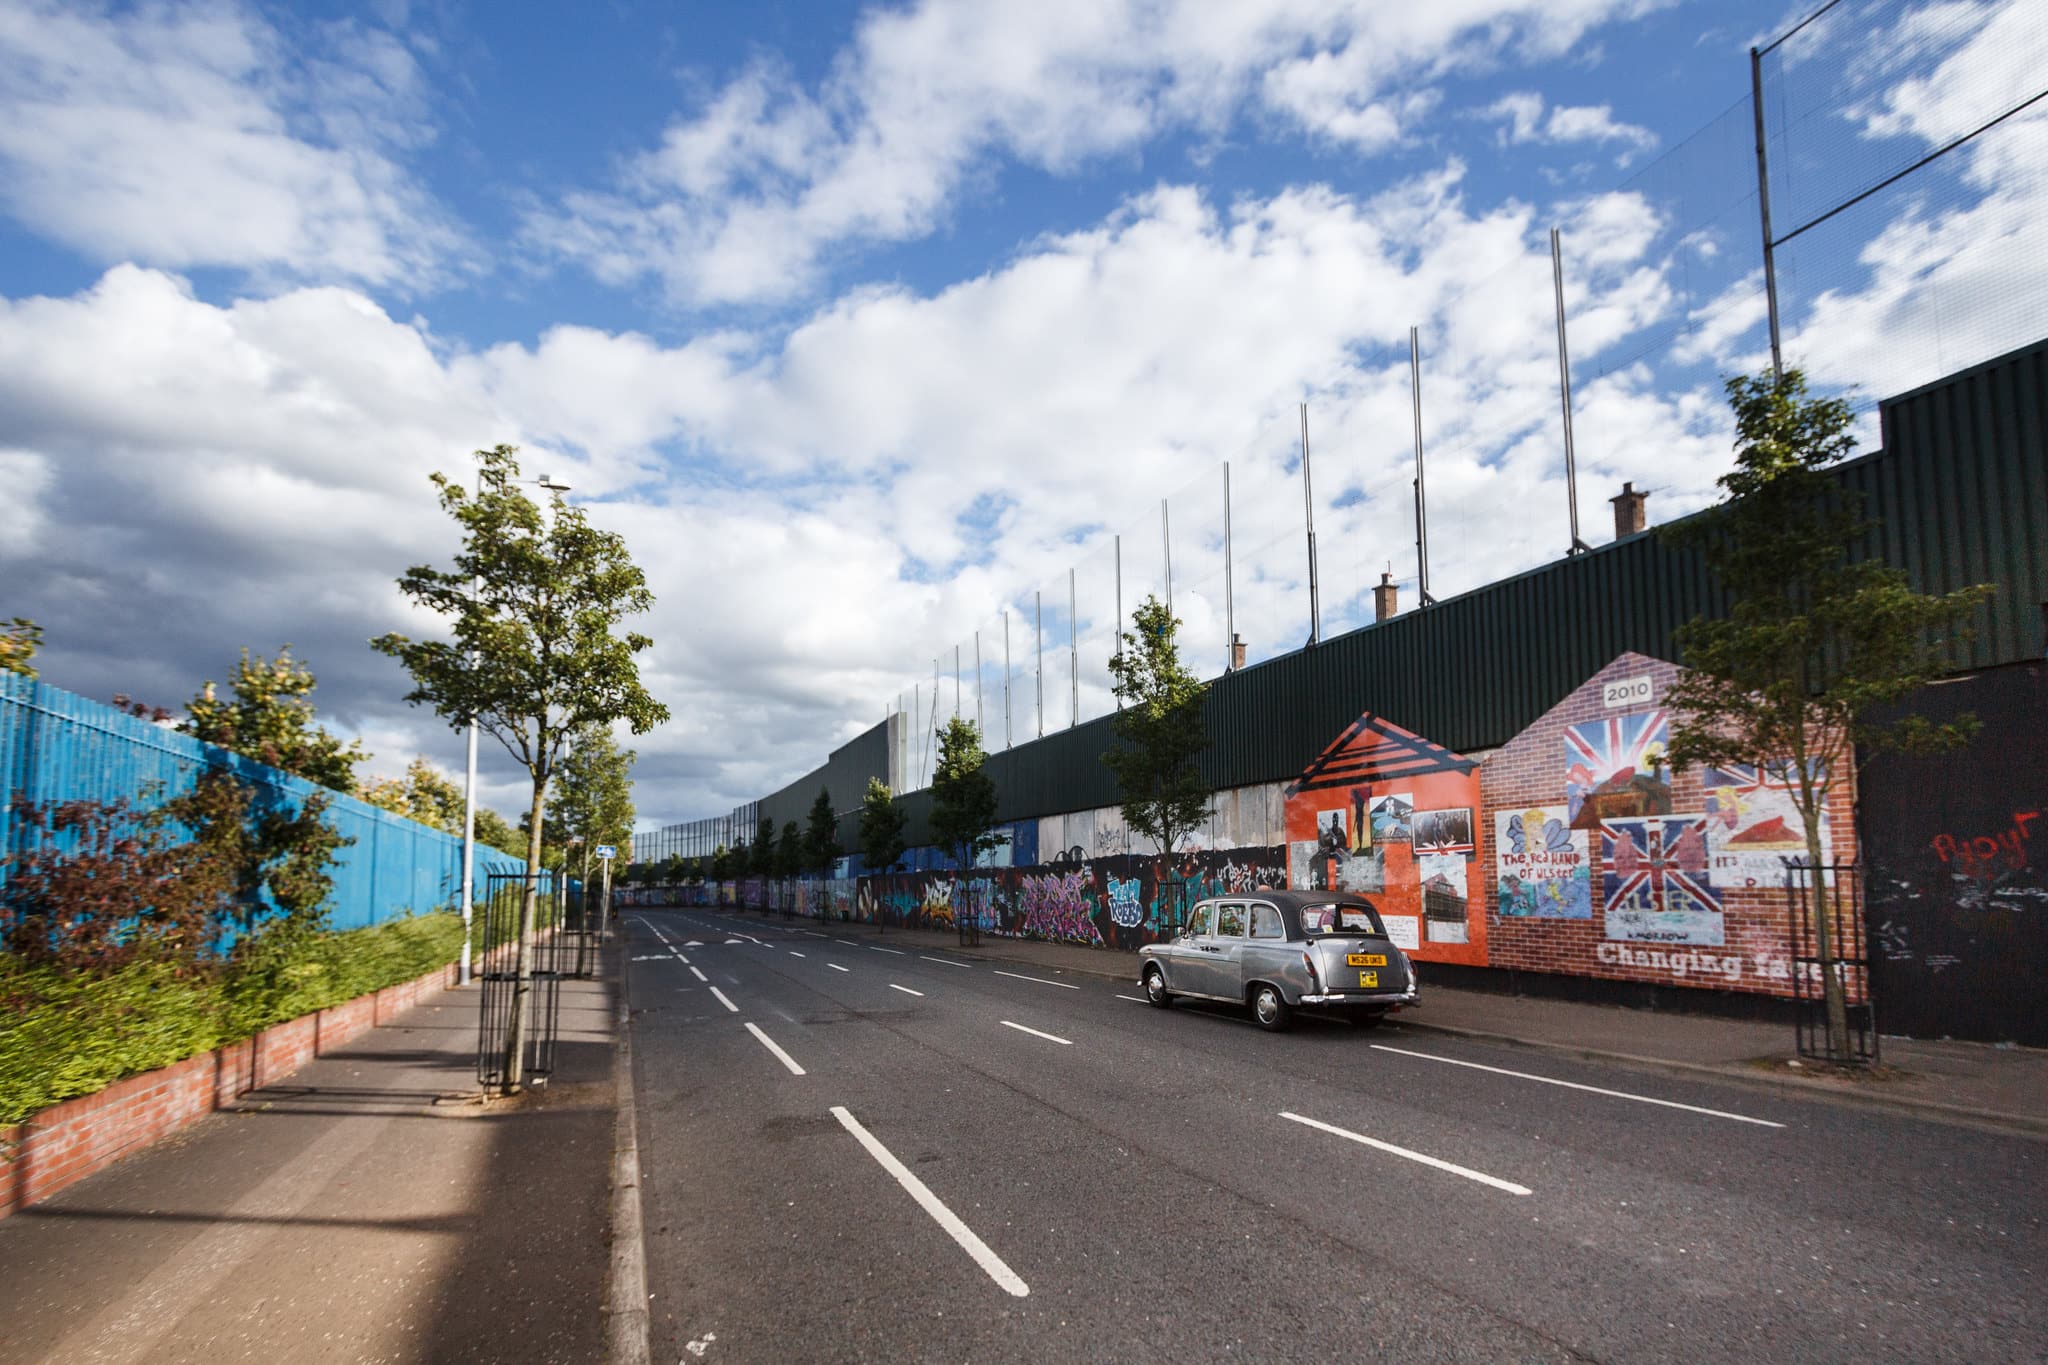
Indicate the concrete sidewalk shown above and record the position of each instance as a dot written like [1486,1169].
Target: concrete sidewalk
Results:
[367,1208]
[1972,1083]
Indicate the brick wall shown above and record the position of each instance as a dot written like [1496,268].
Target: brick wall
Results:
[67,1142]
[1528,773]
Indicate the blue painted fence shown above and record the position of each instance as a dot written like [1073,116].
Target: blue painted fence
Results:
[56,746]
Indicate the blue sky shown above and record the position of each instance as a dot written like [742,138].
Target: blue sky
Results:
[866,324]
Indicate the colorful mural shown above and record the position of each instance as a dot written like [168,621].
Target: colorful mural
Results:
[1390,815]
[1654,881]
[1615,767]
[1613,864]
[1754,825]
[1542,864]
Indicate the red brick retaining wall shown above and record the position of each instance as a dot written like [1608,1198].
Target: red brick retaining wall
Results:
[69,1141]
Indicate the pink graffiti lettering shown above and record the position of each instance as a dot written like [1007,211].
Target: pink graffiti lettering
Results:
[1055,906]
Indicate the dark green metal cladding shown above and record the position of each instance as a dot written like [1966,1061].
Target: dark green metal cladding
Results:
[1959,494]
[845,775]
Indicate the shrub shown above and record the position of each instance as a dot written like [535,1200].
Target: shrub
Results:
[73,1033]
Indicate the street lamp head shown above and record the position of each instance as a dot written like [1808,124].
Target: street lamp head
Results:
[556,488]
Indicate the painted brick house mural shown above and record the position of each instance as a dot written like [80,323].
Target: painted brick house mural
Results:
[1390,815]
[1604,862]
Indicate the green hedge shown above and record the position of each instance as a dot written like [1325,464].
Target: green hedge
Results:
[69,1035]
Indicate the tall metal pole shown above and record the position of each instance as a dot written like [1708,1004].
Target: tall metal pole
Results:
[1118,647]
[1166,540]
[1038,643]
[917,718]
[956,682]
[1308,506]
[1421,497]
[1073,651]
[468,850]
[980,722]
[1763,206]
[934,768]
[1229,598]
[1564,388]
[469,817]
[1006,677]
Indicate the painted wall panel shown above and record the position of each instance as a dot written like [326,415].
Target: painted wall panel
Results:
[1390,816]
[1601,861]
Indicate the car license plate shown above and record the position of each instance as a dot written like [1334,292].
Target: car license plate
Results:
[1366,960]
[1369,980]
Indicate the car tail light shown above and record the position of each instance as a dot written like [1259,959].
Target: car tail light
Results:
[1308,960]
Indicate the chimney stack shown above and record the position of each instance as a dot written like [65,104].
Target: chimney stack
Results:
[1236,651]
[1383,603]
[1628,511]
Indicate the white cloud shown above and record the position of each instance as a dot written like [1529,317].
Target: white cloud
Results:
[814,508]
[1526,123]
[191,135]
[751,195]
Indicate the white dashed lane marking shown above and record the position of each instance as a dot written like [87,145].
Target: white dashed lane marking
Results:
[1049,1037]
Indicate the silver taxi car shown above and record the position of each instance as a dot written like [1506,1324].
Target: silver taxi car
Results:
[1280,951]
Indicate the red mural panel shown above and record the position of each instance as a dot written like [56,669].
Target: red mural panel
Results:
[1599,860]
[1395,818]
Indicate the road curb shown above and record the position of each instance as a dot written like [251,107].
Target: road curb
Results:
[626,1321]
[2018,1125]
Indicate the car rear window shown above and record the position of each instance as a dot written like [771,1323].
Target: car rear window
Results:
[1320,921]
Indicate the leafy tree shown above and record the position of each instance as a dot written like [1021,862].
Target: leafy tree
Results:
[423,794]
[821,836]
[492,830]
[721,864]
[762,863]
[535,603]
[1815,643]
[881,831]
[963,801]
[881,828]
[20,638]
[789,857]
[593,794]
[271,721]
[1159,731]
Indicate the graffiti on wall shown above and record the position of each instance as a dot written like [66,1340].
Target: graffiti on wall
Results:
[1120,901]
[1389,815]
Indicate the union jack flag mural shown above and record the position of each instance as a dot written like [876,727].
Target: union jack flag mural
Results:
[1614,753]
[1654,874]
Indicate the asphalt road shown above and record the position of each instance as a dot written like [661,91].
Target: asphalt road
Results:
[976,1165]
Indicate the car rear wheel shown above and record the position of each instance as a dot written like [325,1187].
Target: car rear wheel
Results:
[1155,988]
[1269,1008]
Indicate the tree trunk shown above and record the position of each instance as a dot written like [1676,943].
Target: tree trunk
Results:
[522,974]
[584,890]
[1834,998]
